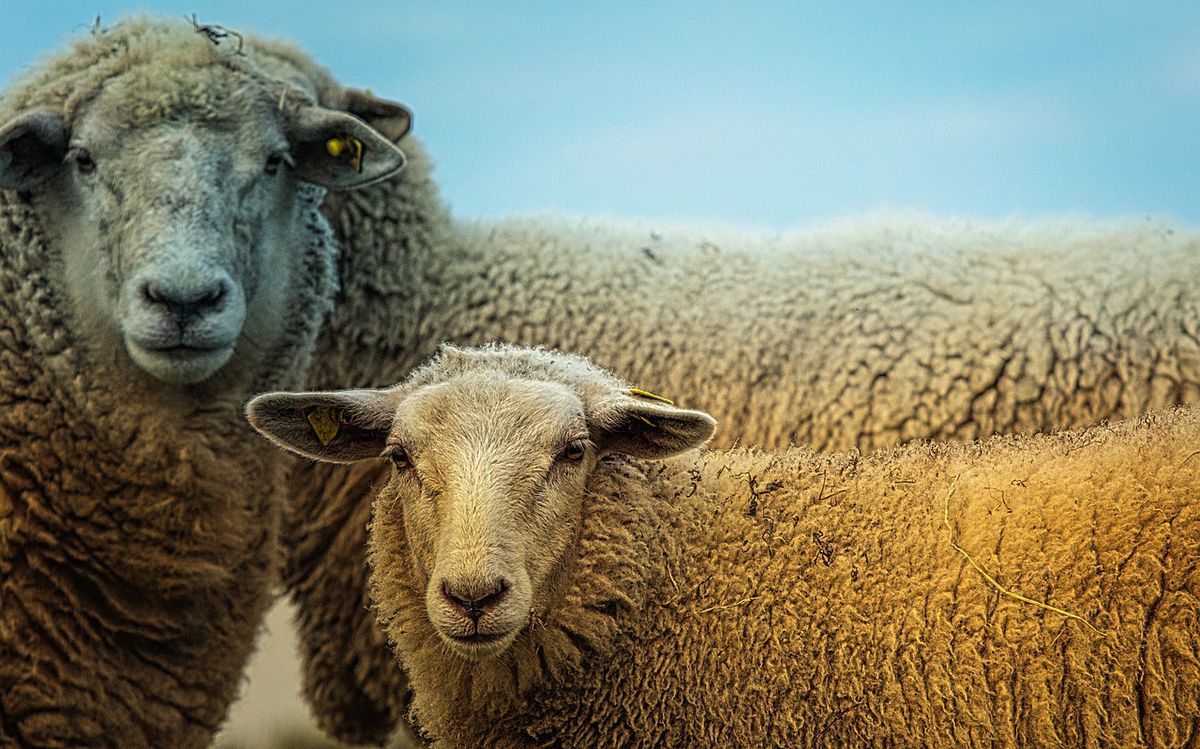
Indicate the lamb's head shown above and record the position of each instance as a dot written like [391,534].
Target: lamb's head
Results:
[178,180]
[492,451]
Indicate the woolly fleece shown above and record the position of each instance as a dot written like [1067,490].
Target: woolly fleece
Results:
[853,336]
[858,335]
[789,599]
[136,557]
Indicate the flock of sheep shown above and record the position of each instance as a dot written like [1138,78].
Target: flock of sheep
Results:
[512,546]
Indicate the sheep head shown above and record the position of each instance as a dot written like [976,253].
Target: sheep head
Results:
[179,184]
[492,451]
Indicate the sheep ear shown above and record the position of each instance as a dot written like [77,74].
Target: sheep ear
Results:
[388,117]
[340,426]
[32,147]
[638,423]
[338,150]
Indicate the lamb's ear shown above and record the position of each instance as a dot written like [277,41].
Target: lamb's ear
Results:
[392,119]
[32,147]
[339,426]
[338,150]
[639,423]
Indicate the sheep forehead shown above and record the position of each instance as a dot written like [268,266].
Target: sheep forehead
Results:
[487,409]
[574,371]
[169,144]
[150,95]
[163,66]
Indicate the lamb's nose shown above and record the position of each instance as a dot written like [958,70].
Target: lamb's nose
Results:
[475,601]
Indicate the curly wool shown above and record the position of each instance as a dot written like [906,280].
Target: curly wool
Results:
[164,71]
[793,599]
[859,335]
[876,331]
[137,551]
[862,335]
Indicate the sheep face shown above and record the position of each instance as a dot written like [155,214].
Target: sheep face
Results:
[182,224]
[491,474]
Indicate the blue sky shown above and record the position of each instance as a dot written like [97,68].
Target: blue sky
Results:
[759,114]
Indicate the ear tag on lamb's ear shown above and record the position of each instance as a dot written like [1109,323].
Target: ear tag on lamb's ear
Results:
[639,393]
[325,422]
[346,147]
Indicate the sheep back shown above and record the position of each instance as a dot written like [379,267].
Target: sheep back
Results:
[854,336]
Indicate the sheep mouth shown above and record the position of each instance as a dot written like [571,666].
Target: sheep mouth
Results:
[480,645]
[179,364]
[184,351]
[479,638]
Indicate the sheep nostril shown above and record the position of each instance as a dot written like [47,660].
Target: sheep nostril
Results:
[455,600]
[213,296]
[185,302]
[474,605]
[495,597]
[152,293]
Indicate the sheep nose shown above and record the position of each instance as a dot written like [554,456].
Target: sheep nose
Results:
[475,601]
[186,301]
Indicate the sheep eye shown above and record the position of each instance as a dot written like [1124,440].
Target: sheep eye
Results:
[83,160]
[273,162]
[574,451]
[400,459]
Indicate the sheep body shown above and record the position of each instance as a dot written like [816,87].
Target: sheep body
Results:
[822,604]
[138,532]
[860,335]
[863,334]
[853,337]
[133,576]
[748,598]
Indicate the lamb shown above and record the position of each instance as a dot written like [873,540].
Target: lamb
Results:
[547,576]
[162,257]
[861,335]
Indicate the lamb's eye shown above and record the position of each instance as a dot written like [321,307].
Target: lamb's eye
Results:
[273,162]
[574,451]
[83,160]
[400,459]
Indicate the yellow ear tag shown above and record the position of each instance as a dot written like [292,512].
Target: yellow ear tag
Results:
[326,422]
[347,147]
[637,393]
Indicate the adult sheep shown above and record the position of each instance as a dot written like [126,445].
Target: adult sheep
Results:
[546,580]
[162,257]
[861,335]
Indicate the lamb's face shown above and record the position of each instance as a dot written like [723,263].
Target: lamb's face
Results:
[490,475]
[182,202]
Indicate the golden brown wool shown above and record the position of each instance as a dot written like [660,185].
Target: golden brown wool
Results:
[791,599]
[137,549]
[862,335]
[133,578]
